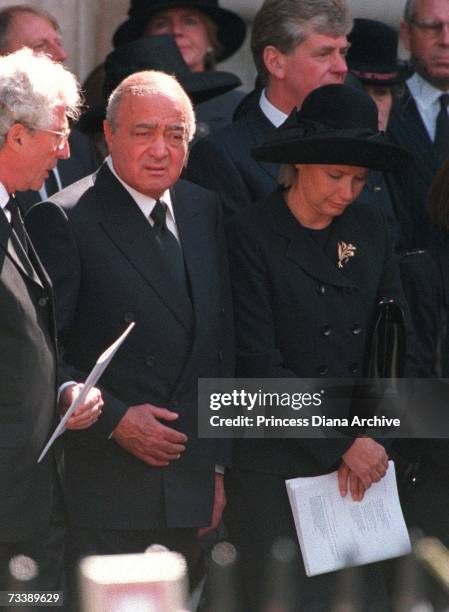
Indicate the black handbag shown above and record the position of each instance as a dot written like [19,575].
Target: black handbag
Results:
[387,347]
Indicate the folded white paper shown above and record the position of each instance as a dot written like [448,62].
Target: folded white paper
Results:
[336,532]
[102,363]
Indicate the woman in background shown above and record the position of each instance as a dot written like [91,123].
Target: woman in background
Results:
[372,58]
[205,34]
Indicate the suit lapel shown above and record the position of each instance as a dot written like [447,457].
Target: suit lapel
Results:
[16,253]
[193,237]
[408,129]
[308,254]
[198,247]
[127,227]
[260,130]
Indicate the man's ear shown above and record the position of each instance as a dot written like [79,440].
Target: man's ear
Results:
[274,61]
[15,136]
[404,30]
[186,159]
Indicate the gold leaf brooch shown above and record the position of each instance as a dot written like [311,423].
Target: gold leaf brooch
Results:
[345,252]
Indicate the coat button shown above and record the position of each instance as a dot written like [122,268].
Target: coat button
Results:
[129,317]
[321,289]
[149,361]
[353,368]
[356,329]
[349,290]
[220,355]
[43,301]
[323,370]
[174,403]
[327,330]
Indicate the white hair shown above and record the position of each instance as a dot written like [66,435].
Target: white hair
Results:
[31,88]
[150,82]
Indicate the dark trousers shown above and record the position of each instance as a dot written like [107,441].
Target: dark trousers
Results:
[82,542]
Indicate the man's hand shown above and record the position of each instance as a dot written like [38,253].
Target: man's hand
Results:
[88,413]
[367,459]
[141,433]
[219,504]
[348,477]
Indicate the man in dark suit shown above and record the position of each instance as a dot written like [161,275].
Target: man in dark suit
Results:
[421,121]
[290,66]
[134,243]
[26,26]
[37,96]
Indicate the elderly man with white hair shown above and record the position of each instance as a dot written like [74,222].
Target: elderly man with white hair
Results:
[37,97]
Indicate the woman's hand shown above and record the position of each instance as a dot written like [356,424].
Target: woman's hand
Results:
[368,460]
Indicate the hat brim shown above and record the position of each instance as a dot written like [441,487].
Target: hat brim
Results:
[200,86]
[231,27]
[381,75]
[374,153]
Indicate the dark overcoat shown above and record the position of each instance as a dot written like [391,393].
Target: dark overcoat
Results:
[107,271]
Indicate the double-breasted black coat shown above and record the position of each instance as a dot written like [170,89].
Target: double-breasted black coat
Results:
[297,315]
[100,253]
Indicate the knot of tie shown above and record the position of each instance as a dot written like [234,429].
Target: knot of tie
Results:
[12,206]
[159,215]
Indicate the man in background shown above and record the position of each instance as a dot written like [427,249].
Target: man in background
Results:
[421,123]
[297,45]
[27,26]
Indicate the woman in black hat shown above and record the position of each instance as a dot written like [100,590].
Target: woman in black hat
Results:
[372,59]
[205,34]
[151,53]
[308,267]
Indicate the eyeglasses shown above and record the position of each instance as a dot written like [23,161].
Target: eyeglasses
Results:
[430,29]
[62,139]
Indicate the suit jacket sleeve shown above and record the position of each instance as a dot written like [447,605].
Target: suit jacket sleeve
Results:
[61,260]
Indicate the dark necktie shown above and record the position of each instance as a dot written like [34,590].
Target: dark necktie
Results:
[17,223]
[442,129]
[51,184]
[169,246]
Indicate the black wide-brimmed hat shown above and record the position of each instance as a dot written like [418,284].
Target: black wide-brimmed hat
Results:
[155,53]
[231,28]
[337,124]
[372,56]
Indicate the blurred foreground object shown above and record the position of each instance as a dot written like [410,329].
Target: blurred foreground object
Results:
[150,582]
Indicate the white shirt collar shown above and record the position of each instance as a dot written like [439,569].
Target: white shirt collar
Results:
[4,196]
[144,202]
[273,114]
[423,92]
